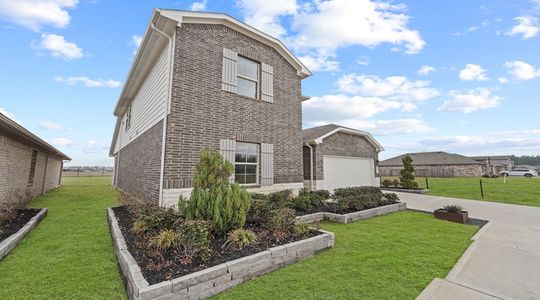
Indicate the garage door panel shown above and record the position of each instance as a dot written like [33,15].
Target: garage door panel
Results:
[342,171]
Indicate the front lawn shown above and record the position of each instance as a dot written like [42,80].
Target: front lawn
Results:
[516,190]
[69,255]
[390,257]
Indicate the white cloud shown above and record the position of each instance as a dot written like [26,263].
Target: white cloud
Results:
[425,70]
[319,62]
[136,40]
[8,114]
[265,15]
[470,101]
[522,70]
[33,14]
[527,27]
[62,142]
[50,126]
[502,80]
[59,47]
[364,61]
[482,25]
[92,147]
[393,87]
[347,106]
[385,127]
[473,72]
[91,83]
[199,6]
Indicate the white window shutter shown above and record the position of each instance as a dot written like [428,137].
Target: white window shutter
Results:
[227,149]
[267,83]
[267,164]
[228,78]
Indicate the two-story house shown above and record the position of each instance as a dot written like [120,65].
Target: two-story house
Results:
[207,80]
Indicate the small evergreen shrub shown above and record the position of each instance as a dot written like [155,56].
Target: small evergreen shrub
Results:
[160,219]
[259,212]
[301,229]
[259,196]
[280,199]
[139,226]
[303,202]
[193,240]
[164,240]
[357,191]
[390,198]
[239,239]
[395,183]
[360,198]
[282,222]
[386,183]
[406,177]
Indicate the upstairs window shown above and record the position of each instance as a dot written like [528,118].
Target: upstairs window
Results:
[246,163]
[128,117]
[247,77]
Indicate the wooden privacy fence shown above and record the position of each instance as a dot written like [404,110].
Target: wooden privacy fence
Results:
[420,172]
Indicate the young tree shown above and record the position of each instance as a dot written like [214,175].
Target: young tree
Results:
[406,177]
[214,198]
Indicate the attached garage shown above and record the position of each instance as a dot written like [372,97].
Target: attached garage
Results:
[336,157]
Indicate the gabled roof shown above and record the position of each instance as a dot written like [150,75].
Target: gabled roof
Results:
[431,158]
[501,157]
[15,131]
[316,135]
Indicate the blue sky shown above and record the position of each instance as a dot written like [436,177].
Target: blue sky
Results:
[457,76]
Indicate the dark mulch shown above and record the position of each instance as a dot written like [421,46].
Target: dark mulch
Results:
[158,267]
[325,208]
[7,228]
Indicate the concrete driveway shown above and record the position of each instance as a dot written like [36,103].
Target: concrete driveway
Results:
[503,262]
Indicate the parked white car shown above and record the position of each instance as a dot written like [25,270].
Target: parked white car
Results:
[520,172]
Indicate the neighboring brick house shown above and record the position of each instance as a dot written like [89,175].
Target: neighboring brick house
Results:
[496,164]
[28,165]
[207,80]
[434,164]
[338,157]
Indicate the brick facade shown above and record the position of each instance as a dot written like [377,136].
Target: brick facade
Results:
[15,163]
[139,165]
[202,114]
[437,170]
[338,144]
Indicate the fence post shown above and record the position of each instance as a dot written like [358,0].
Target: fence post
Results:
[102,171]
[427,184]
[77,172]
[481,189]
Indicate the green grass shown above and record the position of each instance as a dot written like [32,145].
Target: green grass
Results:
[390,257]
[69,255]
[516,190]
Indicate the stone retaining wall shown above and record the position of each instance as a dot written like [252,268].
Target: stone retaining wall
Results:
[354,216]
[208,282]
[414,191]
[8,244]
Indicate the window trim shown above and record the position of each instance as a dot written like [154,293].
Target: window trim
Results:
[257,81]
[128,118]
[257,165]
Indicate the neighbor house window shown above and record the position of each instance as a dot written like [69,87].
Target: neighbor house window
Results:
[246,163]
[128,117]
[248,77]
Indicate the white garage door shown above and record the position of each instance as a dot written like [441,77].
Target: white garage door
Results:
[342,171]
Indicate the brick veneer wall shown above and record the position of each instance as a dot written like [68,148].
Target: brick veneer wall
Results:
[202,114]
[139,165]
[339,144]
[15,160]
[442,170]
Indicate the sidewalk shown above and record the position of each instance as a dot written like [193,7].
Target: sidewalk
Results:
[504,260]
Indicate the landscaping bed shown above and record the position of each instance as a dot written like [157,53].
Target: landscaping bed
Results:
[157,267]
[13,230]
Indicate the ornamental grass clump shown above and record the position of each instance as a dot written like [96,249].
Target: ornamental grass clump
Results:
[239,239]
[453,208]
[214,198]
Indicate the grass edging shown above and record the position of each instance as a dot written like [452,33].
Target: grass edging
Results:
[215,279]
[8,244]
[354,216]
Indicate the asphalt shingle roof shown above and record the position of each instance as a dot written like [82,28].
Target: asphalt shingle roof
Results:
[431,158]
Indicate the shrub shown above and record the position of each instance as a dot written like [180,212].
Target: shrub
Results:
[164,240]
[301,229]
[356,191]
[259,212]
[214,198]
[323,194]
[259,196]
[390,198]
[395,183]
[406,177]
[160,219]
[282,222]
[280,199]
[453,208]
[302,202]
[239,239]
[193,240]
[386,183]
[139,226]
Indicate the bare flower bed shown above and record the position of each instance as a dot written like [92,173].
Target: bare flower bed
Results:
[18,219]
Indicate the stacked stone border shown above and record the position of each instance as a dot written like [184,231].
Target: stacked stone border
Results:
[354,216]
[208,282]
[8,244]
[414,191]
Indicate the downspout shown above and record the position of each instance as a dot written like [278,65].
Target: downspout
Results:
[44,175]
[310,166]
[164,134]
